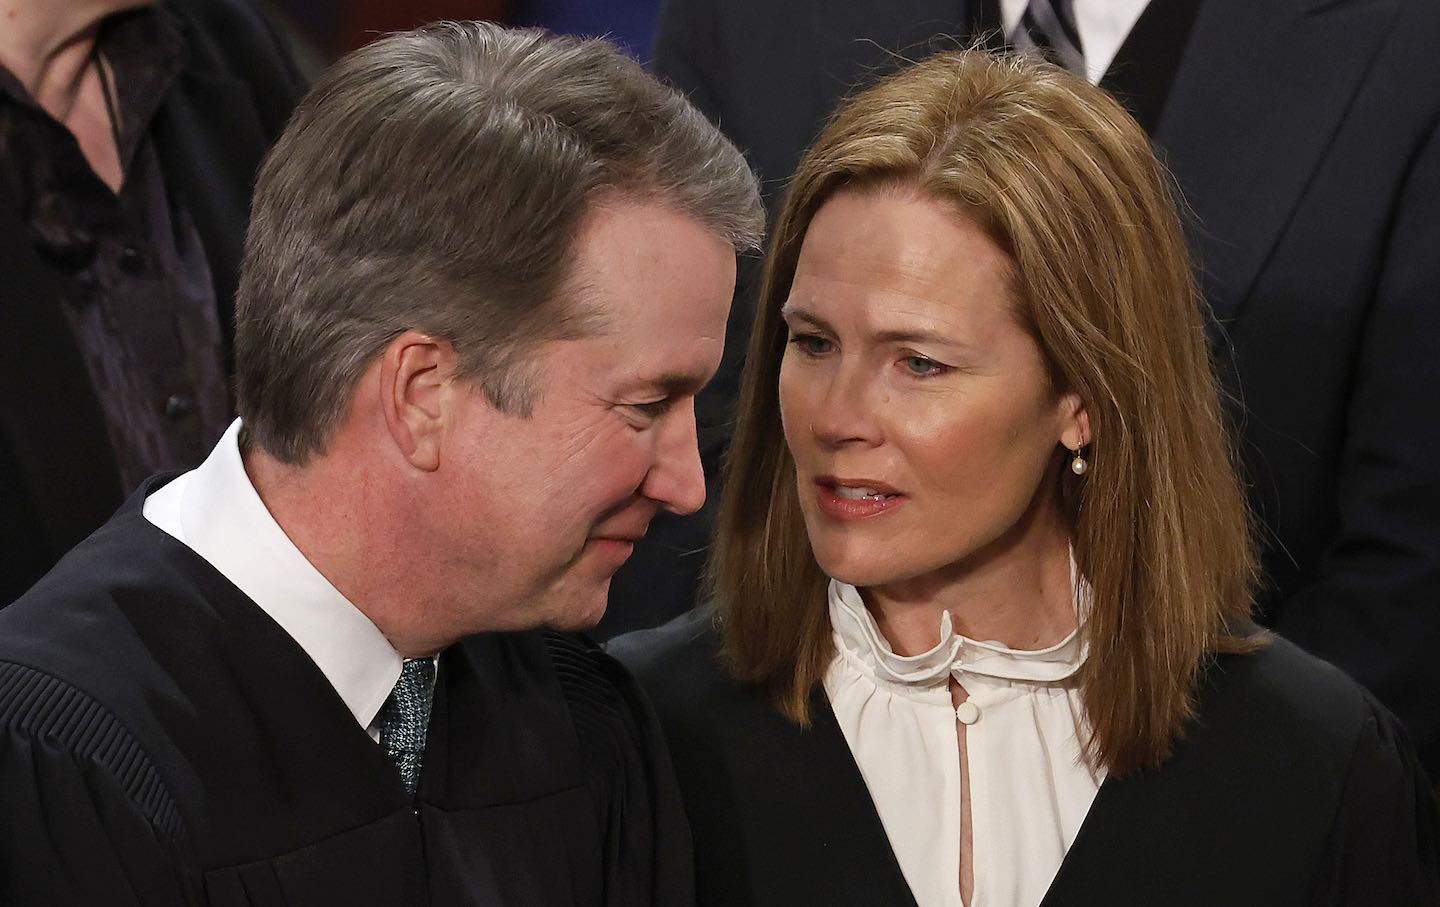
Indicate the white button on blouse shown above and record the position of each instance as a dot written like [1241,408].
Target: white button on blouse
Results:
[1030,786]
[968,713]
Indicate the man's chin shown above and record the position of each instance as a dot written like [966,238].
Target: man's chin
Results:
[578,614]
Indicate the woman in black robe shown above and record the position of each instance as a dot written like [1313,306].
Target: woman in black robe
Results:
[980,632]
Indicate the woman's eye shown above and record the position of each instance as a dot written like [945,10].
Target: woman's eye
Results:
[811,344]
[923,367]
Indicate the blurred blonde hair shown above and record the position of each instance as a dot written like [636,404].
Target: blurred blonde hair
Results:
[1064,180]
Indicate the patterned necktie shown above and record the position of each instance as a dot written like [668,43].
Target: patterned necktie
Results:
[1048,27]
[405,716]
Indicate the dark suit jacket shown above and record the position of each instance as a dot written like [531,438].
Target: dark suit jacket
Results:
[58,478]
[164,742]
[1305,136]
[1293,787]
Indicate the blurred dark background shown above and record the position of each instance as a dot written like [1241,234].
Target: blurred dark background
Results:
[321,30]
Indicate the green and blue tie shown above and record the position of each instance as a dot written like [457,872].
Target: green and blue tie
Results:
[404,718]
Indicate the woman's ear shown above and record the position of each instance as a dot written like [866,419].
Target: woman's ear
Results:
[1075,427]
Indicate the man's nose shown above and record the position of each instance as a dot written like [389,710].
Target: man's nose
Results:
[676,480]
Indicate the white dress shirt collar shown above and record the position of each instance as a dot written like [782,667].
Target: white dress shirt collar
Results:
[216,512]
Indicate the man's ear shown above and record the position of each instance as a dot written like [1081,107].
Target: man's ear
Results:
[417,395]
[1075,430]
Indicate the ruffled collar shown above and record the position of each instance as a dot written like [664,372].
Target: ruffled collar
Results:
[857,631]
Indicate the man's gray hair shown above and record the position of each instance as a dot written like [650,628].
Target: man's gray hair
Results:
[436,180]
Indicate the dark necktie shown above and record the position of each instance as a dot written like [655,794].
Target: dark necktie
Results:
[404,718]
[1048,26]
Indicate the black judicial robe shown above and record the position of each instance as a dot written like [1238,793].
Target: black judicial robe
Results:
[1293,787]
[162,741]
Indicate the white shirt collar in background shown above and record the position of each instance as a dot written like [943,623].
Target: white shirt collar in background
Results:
[1103,25]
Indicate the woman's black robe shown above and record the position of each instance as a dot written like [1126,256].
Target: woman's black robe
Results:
[1293,787]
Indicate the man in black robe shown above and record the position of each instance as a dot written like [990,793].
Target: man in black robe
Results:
[487,272]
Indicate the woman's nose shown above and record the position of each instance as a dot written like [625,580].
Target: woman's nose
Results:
[847,409]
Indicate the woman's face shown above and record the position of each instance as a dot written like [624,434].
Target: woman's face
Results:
[919,413]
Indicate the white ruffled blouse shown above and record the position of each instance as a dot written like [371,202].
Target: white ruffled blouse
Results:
[1030,786]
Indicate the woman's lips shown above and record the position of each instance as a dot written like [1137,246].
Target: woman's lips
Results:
[855,499]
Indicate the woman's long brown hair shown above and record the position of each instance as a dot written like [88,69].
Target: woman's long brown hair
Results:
[1065,181]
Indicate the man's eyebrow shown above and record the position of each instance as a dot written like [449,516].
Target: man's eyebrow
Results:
[675,383]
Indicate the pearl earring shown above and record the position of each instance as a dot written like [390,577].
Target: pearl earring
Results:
[1079,465]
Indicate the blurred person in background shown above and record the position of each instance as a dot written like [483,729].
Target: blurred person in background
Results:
[129,138]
